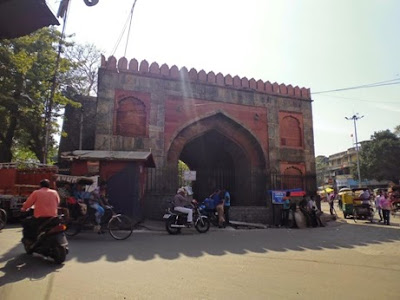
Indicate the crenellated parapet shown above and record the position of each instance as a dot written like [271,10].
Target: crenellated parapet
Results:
[202,77]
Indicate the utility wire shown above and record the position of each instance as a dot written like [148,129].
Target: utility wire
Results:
[362,100]
[371,85]
[120,37]
[128,20]
[129,28]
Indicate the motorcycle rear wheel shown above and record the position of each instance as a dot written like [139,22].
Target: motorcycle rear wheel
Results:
[59,254]
[202,225]
[171,230]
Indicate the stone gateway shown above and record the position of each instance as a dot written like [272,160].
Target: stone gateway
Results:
[241,134]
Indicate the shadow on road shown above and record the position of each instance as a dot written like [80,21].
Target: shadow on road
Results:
[144,245]
[26,266]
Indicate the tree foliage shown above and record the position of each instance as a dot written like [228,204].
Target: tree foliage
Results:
[397,131]
[380,157]
[27,69]
[86,61]
[322,167]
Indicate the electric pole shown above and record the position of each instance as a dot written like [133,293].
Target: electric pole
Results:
[355,118]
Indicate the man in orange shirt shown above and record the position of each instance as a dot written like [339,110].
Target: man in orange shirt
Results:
[46,203]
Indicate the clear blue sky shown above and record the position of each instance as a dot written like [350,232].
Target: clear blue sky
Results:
[318,44]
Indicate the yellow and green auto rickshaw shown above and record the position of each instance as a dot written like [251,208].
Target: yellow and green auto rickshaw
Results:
[346,201]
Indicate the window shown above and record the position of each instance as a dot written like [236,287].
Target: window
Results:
[290,132]
[131,118]
[292,178]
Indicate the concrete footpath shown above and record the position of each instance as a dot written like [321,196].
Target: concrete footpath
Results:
[155,225]
[328,220]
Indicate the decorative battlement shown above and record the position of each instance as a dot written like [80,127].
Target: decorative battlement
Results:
[203,77]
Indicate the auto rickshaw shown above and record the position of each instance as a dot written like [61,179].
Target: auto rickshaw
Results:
[362,208]
[346,201]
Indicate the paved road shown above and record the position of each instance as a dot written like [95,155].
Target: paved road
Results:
[342,260]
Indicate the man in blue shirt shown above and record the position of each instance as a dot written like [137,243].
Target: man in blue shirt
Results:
[219,206]
[227,204]
[285,209]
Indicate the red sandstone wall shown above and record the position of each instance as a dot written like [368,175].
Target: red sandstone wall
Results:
[286,131]
[286,165]
[143,97]
[180,113]
[155,70]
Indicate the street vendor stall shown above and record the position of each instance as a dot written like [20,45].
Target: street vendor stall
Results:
[124,172]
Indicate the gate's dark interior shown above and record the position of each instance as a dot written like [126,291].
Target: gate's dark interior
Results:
[219,162]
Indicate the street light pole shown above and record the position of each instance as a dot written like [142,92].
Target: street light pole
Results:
[355,118]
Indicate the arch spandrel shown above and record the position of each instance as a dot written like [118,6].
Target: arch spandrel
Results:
[227,127]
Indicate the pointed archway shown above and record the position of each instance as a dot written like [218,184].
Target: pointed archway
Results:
[224,154]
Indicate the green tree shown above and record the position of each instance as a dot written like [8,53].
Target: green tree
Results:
[379,157]
[397,131]
[27,68]
[321,166]
[182,167]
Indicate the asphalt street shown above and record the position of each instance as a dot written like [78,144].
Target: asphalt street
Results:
[344,260]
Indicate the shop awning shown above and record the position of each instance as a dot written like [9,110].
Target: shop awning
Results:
[21,17]
[141,156]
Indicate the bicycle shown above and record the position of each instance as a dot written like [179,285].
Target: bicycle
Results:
[119,226]
[3,218]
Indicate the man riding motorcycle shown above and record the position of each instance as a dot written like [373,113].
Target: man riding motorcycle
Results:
[46,202]
[180,203]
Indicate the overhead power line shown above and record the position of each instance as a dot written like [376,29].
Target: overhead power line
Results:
[362,100]
[128,21]
[370,85]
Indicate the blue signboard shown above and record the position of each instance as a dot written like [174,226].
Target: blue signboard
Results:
[277,196]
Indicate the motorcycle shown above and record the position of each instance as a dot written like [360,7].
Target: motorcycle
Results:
[211,214]
[175,221]
[50,240]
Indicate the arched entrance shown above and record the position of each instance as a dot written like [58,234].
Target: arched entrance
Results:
[224,154]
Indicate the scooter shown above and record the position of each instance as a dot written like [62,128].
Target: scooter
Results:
[175,221]
[50,240]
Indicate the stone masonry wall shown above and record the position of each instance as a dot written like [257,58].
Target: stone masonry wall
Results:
[162,83]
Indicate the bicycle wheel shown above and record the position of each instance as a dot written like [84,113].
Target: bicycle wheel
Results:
[73,228]
[120,227]
[3,218]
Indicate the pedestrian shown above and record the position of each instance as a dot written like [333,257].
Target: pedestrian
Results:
[386,206]
[331,200]
[314,213]
[285,210]
[227,204]
[304,208]
[219,206]
[318,200]
[378,205]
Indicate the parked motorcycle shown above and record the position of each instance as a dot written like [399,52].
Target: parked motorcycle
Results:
[50,240]
[175,221]
[211,214]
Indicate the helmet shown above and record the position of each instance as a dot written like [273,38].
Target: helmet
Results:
[181,190]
